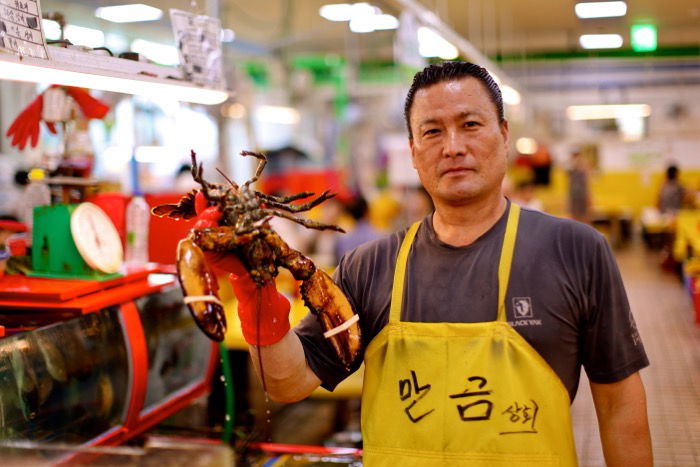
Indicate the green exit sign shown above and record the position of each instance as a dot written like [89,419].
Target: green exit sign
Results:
[643,37]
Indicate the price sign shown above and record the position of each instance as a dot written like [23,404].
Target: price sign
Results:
[199,44]
[20,28]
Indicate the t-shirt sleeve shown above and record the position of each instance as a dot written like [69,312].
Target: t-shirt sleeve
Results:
[319,353]
[612,348]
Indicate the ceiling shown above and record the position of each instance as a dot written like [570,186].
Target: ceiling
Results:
[510,27]
[534,41]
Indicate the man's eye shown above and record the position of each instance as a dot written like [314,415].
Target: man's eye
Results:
[431,131]
[471,124]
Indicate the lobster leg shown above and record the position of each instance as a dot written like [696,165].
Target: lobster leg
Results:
[302,207]
[324,298]
[305,222]
[199,287]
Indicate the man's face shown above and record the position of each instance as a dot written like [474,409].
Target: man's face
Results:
[459,148]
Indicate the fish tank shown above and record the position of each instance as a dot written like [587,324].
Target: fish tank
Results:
[103,377]
[66,382]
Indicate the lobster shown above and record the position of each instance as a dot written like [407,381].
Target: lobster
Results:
[245,231]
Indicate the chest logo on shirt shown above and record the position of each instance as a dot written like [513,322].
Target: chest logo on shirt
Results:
[523,313]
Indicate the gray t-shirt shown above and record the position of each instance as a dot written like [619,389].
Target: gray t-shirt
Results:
[565,296]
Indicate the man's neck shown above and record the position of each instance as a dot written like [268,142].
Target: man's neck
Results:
[461,225]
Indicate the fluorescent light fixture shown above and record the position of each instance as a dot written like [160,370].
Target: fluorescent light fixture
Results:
[227,35]
[510,95]
[336,12]
[631,128]
[526,145]
[52,30]
[600,9]
[66,74]
[601,41]
[160,53]
[597,112]
[277,114]
[384,22]
[431,44]
[88,37]
[643,37]
[362,19]
[129,13]
[150,154]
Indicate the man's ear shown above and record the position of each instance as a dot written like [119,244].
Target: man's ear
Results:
[505,131]
[413,152]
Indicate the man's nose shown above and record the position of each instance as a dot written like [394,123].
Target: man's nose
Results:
[454,143]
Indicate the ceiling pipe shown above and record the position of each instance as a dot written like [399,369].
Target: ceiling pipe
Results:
[430,19]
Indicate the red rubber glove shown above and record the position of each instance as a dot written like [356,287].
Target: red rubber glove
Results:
[263,311]
[26,125]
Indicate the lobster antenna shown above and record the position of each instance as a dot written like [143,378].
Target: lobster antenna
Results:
[233,184]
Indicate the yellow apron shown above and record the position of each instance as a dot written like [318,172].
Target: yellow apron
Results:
[461,393]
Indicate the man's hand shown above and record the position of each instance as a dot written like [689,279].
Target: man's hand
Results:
[622,417]
[264,312]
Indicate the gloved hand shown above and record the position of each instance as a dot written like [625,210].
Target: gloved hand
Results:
[263,311]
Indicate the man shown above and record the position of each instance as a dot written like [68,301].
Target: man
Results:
[672,192]
[448,379]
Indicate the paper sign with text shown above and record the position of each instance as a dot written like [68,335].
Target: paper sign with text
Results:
[198,41]
[20,28]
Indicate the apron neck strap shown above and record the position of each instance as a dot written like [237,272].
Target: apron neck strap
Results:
[503,267]
[400,274]
[507,259]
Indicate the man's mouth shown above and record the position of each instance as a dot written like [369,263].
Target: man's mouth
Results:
[457,170]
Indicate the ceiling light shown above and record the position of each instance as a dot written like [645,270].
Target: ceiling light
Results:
[597,112]
[227,35]
[160,53]
[52,30]
[631,128]
[362,19]
[383,22]
[526,145]
[336,12]
[601,41]
[600,9]
[277,114]
[431,44]
[129,13]
[88,37]
[67,74]
[234,111]
[510,95]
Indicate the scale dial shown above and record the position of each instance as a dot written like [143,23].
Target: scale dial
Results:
[96,238]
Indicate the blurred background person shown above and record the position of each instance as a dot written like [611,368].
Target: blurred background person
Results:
[526,196]
[672,194]
[361,232]
[183,180]
[579,188]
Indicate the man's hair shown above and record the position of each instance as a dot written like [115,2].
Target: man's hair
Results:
[672,172]
[451,71]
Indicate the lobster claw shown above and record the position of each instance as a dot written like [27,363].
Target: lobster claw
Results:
[199,286]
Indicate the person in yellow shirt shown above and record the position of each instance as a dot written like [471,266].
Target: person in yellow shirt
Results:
[477,319]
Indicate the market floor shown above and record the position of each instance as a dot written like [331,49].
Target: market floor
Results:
[664,315]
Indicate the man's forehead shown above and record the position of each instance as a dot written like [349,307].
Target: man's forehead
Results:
[469,97]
